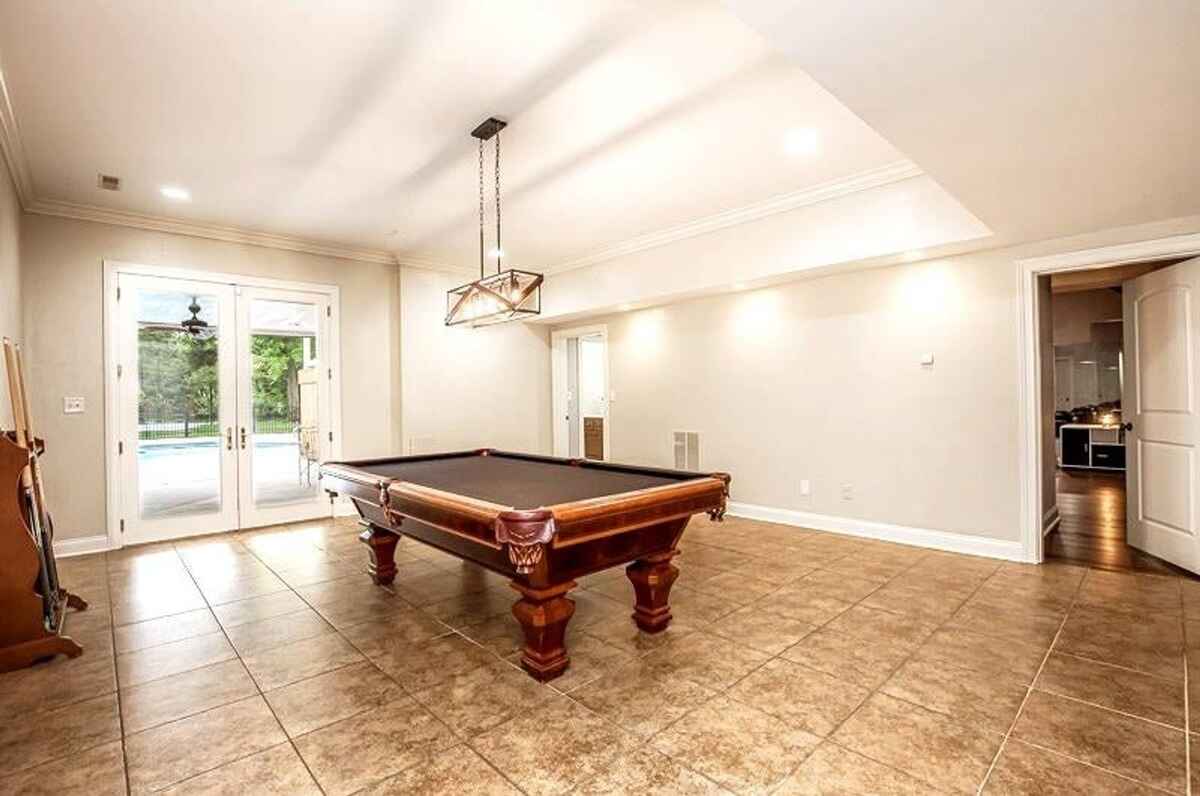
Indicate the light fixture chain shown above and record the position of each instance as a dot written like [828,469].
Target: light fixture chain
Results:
[499,247]
[481,219]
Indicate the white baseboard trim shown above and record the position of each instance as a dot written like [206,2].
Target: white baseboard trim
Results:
[1050,520]
[66,548]
[867,529]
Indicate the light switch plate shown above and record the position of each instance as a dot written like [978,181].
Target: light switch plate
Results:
[72,405]
[926,359]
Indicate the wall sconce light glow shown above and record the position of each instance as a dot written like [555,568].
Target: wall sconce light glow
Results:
[801,142]
[497,253]
[175,193]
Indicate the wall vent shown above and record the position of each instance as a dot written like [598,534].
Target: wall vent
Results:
[687,450]
[108,182]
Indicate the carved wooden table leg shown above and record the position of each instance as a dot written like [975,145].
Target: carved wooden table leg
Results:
[652,577]
[381,551]
[543,614]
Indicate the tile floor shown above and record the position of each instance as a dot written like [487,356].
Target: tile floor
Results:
[799,662]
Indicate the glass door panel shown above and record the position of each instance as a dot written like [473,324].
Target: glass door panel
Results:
[177,380]
[284,422]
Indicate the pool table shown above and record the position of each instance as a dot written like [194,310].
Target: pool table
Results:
[538,520]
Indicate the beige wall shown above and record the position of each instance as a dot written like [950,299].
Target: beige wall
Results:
[822,380]
[1074,313]
[10,277]
[62,272]
[469,388]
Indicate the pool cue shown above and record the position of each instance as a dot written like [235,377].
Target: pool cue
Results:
[21,432]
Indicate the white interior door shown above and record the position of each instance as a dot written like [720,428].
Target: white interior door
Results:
[283,408]
[1162,365]
[177,392]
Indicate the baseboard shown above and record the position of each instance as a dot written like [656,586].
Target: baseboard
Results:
[867,529]
[1050,520]
[66,548]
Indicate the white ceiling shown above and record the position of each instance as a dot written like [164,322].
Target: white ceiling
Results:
[348,122]
[1044,117]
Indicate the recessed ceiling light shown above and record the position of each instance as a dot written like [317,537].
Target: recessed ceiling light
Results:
[800,142]
[175,193]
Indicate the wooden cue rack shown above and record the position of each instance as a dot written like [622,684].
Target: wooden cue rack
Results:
[33,605]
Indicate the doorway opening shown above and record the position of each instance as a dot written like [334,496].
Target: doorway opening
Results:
[221,402]
[580,375]
[1102,333]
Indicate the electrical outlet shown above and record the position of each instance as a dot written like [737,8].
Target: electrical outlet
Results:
[847,491]
[72,405]
[805,488]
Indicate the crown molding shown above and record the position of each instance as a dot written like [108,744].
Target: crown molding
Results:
[12,149]
[822,192]
[429,264]
[123,218]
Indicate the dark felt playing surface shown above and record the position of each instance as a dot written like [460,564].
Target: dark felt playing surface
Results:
[520,483]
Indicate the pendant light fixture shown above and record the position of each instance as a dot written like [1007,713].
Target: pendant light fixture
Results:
[503,295]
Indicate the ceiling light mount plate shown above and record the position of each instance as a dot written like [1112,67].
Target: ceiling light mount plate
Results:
[488,128]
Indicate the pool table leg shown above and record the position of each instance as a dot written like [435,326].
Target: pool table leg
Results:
[381,552]
[544,614]
[652,578]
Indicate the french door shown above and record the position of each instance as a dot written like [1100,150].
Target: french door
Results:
[224,405]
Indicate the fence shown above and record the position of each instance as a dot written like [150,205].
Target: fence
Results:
[164,425]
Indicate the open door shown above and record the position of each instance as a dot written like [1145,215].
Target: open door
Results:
[1162,369]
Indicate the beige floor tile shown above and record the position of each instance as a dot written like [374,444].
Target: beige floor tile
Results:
[739,587]
[1004,622]
[318,701]
[920,742]
[646,771]
[152,602]
[92,630]
[501,634]
[969,698]
[930,604]
[363,750]
[153,632]
[60,733]
[592,609]
[800,696]
[834,770]
[1138,593]
[277,771]
[805,603]
[298,660]
[258,608]
[1151,644]
[862,662]
[692,574]
[1142,695]
[227,590]
[99,771]
[621,632]
[873,625]
[696,608]
[1025,769]
[422,664]
[705,660]
[182,749]
[164,660]
[987,655]
[464,609]
[758,627]
[474,702]
[737,746]
[319,571]
[454,770]
[633,698]
[353,610]
[584,746]
[376,636]
[590,658]
[266,634]
[56,683]
[181,695]
[877,568]
[1146,752]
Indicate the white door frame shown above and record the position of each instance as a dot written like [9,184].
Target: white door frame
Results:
[558,380]
[111,270]
[1029,438]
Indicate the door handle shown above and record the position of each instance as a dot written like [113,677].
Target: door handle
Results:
[243,438]
[228,438]
[1127,426]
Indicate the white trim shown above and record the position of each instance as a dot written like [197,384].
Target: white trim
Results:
[867,529]
[111,270]
[822,192]
[1029,437]
[12,150]
[558,378]
[196,229]
[84,545]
